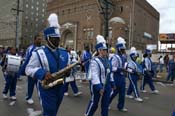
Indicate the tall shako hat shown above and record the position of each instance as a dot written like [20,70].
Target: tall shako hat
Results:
[120,43]
[101,43]
[133,52]
[54,28]
[148,50]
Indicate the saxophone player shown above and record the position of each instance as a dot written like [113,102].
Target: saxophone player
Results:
[47,60]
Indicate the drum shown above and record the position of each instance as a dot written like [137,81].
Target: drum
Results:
[13,63]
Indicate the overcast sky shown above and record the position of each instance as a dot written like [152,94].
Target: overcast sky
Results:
[166,8]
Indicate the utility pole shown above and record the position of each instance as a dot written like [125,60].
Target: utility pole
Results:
[17,22]
[106,6]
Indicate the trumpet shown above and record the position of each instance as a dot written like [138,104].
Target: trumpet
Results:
[58,77]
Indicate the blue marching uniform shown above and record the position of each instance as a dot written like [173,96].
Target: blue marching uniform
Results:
[86,56]
[118,62]
[45,60]
[148,74]
[171,68]
[133,76]
[31,81]
[99,79]
[10,79]
[72,83]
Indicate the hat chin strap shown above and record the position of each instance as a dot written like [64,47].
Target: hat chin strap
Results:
[52,46]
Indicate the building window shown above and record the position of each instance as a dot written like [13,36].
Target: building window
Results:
[31,7]
[26,17]
[68,11]
[27,5]
[37,8]
[88,33]
[63,12]
[36,25]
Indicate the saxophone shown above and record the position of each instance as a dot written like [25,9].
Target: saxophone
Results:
[58,77]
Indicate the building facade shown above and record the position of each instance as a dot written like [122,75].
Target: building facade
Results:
[33,20]
[8,23]
[81,21]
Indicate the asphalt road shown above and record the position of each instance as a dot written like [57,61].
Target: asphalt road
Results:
[154,105]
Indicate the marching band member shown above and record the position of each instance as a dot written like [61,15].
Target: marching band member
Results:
[118,62]
[133,75]
[31,81]
[148,72]
[100,81]
[45,61]
[86,56]
[73,59]
[10,73]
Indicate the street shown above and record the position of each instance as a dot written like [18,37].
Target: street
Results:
[160,105]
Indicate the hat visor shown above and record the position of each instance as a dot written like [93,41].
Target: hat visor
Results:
[103,48]
[55,36]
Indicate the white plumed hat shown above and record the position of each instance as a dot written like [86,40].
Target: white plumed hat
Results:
[54,28]
[120,43]
[133,52]
[101,43]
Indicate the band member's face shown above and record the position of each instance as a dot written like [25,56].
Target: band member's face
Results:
[38,41]
[54,41]
[13,51]
[122,51]
[149,55]
[135,58]
[103,52]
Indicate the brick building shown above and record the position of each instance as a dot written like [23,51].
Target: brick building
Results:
[81,21]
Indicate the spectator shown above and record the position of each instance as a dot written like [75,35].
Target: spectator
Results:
[161,63]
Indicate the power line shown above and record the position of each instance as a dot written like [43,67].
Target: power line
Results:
[17,9]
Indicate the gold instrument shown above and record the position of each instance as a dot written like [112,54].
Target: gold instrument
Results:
[58,77]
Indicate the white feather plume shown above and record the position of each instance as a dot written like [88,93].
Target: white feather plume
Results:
[133,50]
[100,39]
[53,20]
[121,40]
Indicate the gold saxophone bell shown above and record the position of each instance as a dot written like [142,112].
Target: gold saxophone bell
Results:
[58,77]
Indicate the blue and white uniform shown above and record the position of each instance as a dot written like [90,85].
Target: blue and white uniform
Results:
[86,56]
[148,73]
[10,76]
[118,62]
[72,76]
[42,61]
[31,81]
[99,68]
[100,79]
[133,78]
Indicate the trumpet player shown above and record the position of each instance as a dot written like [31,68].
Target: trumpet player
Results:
[100,81]
[46,60]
